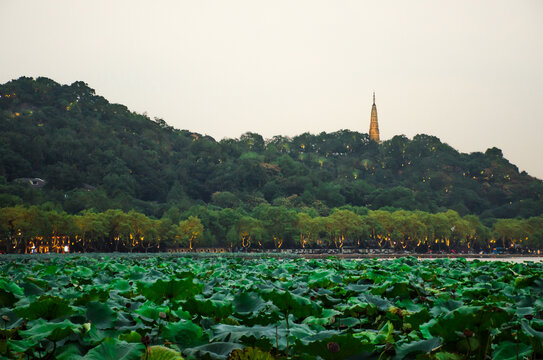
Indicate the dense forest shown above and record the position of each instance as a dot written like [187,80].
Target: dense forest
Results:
[94,156]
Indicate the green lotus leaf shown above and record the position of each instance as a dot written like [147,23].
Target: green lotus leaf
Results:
[184,333]
[524,281]
[356,289]
[9,319]
[53,331]
[400,288]
[19,346]
[137,273]
[9,293]
[357,307]
[113,349]
[465,345]
[306,336]
[320,278]
[68,352]
[101,315]
[214,351]
[492,316]
[94,294]
[478,291]
[132,337]
[478,318]
[33,286]
[91,335]
[289,303]
[508,350]
[31,289]
[215,308]
[533,328]
[161,290]
[158,352]
[248,303]
[417,347]
[528,310]
[83,272]
[379,302]
[377,337]
[535,336]
[51,270]
[265,336]
[182,314]
[121,285]
[327,317]
[250,307]
[416,319]
[250,353]
[385,334]
[46,307]
[443,355]
[151,311]
[442,307]
[335,347]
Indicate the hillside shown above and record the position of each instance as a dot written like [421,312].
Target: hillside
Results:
[93,154]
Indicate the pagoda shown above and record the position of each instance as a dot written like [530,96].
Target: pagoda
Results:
[374,125]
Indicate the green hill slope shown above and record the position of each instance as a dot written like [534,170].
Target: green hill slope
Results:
[93,154]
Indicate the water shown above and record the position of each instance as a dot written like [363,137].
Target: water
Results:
[515,260]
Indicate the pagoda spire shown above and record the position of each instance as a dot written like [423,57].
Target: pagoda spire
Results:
[374,125]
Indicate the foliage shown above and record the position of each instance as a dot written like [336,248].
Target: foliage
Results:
[172,307]
[36,230]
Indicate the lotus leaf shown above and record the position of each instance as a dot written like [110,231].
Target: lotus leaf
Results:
[169,290]
[158,352]
[132,337]
[113,349]
[101,315]
[249,353]
[335,347]
[417,347]
[215,351]
[508,350]
[9,292]
[53,331]
[289,303]
[46,307]
[184,333]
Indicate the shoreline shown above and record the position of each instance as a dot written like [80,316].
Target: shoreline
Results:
[287,255]
[422,256]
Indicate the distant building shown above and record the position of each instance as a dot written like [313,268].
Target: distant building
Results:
[88,187]
[36,183]
[374,125]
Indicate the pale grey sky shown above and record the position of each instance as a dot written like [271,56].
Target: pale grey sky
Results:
[467,71]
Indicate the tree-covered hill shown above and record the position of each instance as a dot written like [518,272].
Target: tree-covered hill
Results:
[93,154]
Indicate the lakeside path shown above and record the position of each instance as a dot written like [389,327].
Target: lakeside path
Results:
[356,256]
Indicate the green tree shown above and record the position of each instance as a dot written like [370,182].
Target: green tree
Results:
[190,230]
[279,223]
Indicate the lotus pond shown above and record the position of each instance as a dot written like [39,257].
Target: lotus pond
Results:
[173,307]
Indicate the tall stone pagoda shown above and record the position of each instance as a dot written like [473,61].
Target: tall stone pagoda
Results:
[374,125]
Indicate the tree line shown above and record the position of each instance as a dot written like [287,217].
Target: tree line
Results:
[38,229]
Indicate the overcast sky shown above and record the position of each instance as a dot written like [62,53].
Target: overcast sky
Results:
[469,72]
